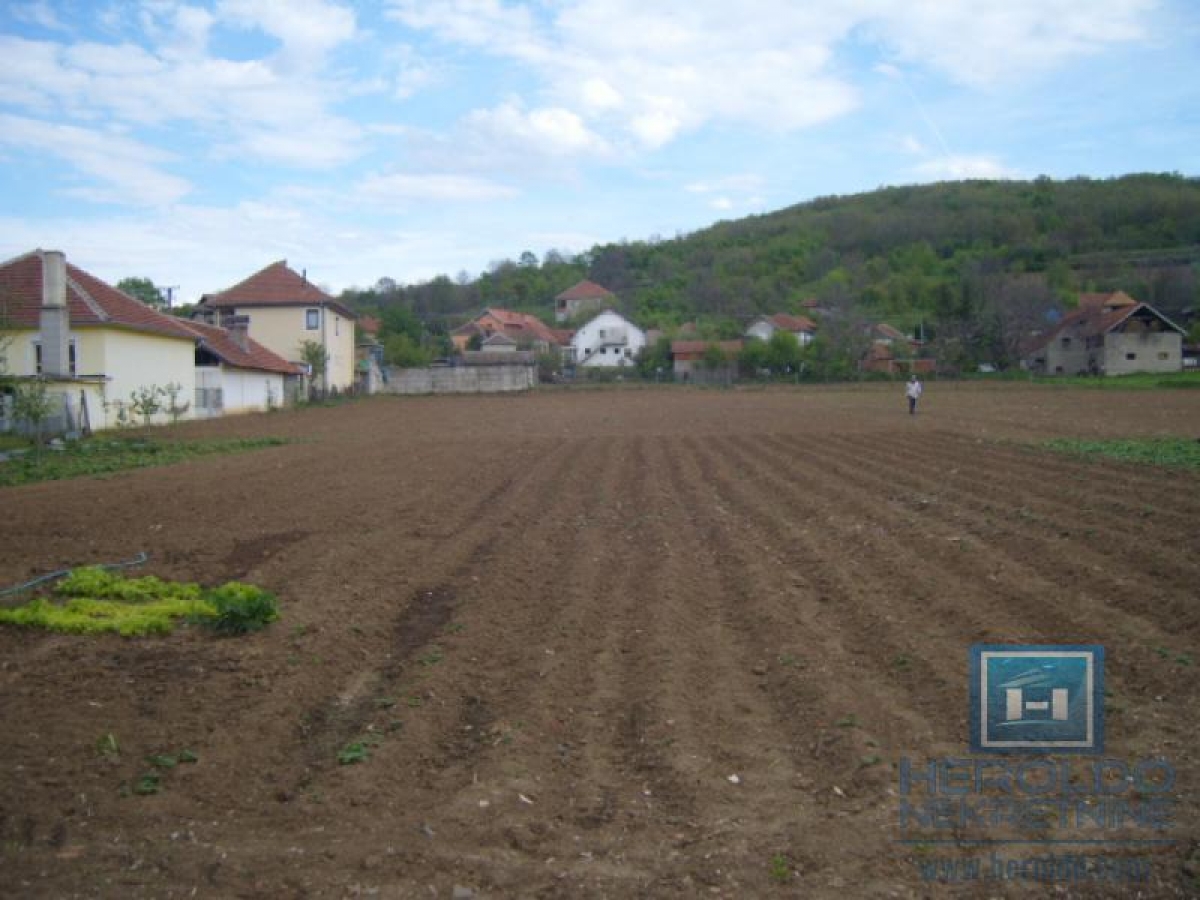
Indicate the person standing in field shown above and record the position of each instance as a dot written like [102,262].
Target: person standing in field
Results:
[913,392]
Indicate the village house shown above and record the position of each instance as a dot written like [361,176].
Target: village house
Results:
[804,328]
[93,344]
[527,331]
[580,298]
[96,347]
[607,341]
[1108,334]
[284,311]
[694,360]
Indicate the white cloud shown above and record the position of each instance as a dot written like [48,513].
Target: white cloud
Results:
[653,72]
[551,131]
[307,29]
[992,42]
[262,109]
[964,166]
[127,171]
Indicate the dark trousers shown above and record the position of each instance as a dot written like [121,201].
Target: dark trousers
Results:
[912,405]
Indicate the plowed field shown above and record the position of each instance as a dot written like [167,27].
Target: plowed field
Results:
[596,644]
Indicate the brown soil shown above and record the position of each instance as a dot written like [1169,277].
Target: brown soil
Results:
[570,617]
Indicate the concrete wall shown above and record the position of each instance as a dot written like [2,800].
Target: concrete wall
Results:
[460,380]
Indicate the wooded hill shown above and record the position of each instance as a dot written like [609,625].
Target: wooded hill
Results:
[931,256]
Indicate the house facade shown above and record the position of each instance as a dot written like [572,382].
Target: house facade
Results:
[283,311]
[607,341]
[580,298]
[93,344]
[1109,334]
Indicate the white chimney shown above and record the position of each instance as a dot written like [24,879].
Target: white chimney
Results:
[55,319]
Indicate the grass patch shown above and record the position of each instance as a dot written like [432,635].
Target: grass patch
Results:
[1138,381]
[1175,452]
[101,456]
[98,601]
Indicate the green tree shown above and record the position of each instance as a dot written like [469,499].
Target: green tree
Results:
[714,357]
[32,404]
[783,352]
[314,355]
[655,359]
[400,351]
[754,358]
[143,289]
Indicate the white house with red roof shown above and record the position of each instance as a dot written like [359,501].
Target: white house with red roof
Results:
[581,297]
[283,310]
[96,346]
[804,328]
[607,341]
[1108,334]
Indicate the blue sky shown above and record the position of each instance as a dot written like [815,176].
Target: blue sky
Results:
[196,142]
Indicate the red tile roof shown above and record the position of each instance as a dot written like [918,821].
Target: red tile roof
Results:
[369,325]
[517,325]
[276,285]
[1101,301]
[793,323]
[221,343]
[90,302]
[1098,314]
[585,290]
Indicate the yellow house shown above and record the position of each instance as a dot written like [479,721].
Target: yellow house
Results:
[283,311]
[96,345]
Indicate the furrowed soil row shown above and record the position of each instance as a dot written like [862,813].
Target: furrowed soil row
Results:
[1015,576]
[1151,679]
[722,689]
[830,597]
[344,715]
[850,522]
[856,713]
[1075,569]
[1043,504]
[1091,481]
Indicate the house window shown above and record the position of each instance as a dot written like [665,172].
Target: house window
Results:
[601,334]
[1163,354]
[1066,343]
[337,326]
[37,357]
[1131,356]
[312,319]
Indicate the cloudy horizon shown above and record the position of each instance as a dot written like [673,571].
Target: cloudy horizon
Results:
[196,142]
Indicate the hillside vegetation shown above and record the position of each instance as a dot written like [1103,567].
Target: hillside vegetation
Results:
[970,262]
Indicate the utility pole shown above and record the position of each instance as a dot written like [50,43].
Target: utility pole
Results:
[168,291]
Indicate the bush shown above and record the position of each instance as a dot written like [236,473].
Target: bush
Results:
[240,608]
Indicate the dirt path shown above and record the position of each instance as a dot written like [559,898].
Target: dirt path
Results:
[607,643]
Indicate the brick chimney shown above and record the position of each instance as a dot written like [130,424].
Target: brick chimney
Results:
[239,330]
[55,320]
